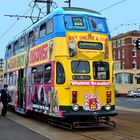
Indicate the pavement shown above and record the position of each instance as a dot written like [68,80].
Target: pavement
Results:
[10,130]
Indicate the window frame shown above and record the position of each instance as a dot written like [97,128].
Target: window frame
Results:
[50,78]
[95,72]
[78,62]
[103,23]
[78,29]
[40,81]
[42,30]
[59,77]
[16,45]
[35,76]
[30,37]
[47,26]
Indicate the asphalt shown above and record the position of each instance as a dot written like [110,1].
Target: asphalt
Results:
[127,109]
[10,130]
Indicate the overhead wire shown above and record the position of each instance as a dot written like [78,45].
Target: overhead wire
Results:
[112,5]
[121,25]
[12,25]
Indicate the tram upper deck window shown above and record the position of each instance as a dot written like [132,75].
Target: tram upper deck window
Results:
[98,24]
[75,22]
[101,70]
[36,33]
[80,67]
[50,26]
[9,49]
[16,45]
[42,30]
[30,38]
[22,41]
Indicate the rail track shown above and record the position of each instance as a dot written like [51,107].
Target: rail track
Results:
[125,130]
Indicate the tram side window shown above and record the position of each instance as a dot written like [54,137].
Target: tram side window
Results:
[36,33]
[42,30]
[30,38]
[80,67]
[16,45]
[47,74]
[101,70]
[5,78]
[22,42]
[11,79]
[60,74]
[34,74]
[40,74]
[49,26]
[9,49]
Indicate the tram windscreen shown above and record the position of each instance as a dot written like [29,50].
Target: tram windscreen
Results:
[101,70]
[75,22]
[98,24]
[80,67]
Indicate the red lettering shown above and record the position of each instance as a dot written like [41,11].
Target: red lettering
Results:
[39,54]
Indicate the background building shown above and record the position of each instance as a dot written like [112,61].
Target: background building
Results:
[1,72]
[126,61]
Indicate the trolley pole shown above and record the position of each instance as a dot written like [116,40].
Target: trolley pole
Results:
[49,2]
[48,6]
[69,2]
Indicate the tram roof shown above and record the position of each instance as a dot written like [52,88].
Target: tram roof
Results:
[59,11]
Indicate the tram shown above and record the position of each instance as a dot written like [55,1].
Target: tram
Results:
[62,67]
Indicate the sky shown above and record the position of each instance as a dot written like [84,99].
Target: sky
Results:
[122,16]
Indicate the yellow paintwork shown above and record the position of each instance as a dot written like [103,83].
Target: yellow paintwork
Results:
[65,90]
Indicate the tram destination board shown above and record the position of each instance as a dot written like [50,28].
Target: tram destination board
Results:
[90,45]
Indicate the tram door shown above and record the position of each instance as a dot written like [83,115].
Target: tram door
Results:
[20,87]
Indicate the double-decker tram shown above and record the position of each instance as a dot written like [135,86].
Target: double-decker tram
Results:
[61,67]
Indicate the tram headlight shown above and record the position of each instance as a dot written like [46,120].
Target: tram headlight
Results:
[107,107]
[75,107]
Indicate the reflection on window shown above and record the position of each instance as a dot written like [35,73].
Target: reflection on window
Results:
[138,78]
[98,24]
[5,79]
[11,79]
[101,70]
[22,41]
[30,38]
[60,74]
[80,66]
[9,49]
[49,26]
[42,30]
[36,34]
[33,75]
[47,74]
[16,46]
[75,22]
[124,78]
[40,74]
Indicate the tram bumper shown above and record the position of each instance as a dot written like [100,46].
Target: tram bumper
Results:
[95,114]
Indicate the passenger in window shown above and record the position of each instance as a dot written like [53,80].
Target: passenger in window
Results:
[102,77]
